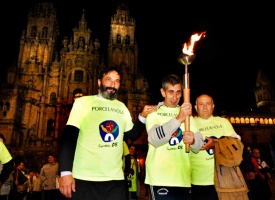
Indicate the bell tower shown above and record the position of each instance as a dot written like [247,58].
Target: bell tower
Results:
[123,49]
[264,94]
[38,41]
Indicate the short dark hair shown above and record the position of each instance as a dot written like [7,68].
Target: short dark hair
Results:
[17,160]
[2,137]
[106,70]
[172,79]
[51,154]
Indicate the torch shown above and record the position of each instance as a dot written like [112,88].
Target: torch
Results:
[186,58]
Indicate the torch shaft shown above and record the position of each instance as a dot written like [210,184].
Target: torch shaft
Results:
[186,92]
[186,98]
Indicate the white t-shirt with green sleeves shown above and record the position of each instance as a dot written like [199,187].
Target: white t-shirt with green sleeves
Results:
[99,150]
[168,165]
[203,162]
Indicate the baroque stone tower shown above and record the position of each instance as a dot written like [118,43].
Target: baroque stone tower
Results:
[123,52]
[264,93]
[36,99]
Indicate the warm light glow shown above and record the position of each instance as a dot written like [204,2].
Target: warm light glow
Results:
[188,48]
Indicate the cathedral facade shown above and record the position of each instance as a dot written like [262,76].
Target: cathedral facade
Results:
[40,90]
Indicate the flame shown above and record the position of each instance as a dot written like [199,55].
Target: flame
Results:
[188,49]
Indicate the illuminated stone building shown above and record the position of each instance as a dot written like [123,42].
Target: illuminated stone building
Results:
[36,99]
[258,127]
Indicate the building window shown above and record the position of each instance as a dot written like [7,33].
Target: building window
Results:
[33,31]
[44,32]
[127,40]
[52,98]
[118,39]
[78,76]
[6,106]
[50,127]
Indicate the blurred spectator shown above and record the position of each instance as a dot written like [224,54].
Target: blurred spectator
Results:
[134,175]
[34,186]
[48,177]
[19,178]
[260,188]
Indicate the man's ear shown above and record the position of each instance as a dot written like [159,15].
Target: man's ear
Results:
[98,82]
[195,106]
[162,92]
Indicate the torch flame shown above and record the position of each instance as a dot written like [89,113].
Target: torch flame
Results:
[188,49]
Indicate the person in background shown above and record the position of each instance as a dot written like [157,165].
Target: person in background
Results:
[92,142]
[260,185]
[203,163]
[19,178]
[6,167]
[126,161]
[167,163]
[134,174]
[48,176]
[247,167]
[34,182]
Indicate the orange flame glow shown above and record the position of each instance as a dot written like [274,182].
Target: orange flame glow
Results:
[188,48]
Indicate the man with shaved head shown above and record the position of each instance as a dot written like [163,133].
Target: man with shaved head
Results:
[211,127]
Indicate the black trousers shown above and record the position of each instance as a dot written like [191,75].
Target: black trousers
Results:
[105,190]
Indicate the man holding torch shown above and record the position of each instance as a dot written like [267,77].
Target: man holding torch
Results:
[168,170]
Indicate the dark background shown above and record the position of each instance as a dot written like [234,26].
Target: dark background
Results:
[239,40]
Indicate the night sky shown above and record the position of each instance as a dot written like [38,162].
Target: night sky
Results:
[239,40]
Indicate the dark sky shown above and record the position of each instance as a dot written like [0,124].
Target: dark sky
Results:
[239,40]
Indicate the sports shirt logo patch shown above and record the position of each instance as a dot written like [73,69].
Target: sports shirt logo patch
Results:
[176,137]
[108,130]
[209,151]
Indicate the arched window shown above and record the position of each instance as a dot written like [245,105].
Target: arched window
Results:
[7,105]
[78,76]
[52,98]
[118,39]
[127,40]
[44,32]
[50,127]
[33,31]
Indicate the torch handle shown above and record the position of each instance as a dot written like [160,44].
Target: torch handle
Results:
[186,98]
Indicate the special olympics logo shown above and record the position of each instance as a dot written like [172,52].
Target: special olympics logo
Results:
[176,137]
[108,130]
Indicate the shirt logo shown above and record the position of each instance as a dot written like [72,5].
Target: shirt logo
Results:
[209,151]
[176,137]
[108,130]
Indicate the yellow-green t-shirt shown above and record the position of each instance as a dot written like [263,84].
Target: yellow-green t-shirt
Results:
[5,155]
[202,163]
[168,165]
[134,178]
[99,150]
